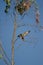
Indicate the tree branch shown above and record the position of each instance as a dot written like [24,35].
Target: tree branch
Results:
[13,39]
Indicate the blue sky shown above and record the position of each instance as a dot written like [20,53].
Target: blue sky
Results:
[26,54]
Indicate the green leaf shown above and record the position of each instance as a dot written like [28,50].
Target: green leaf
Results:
[8,2]
[1,56]
[0,48]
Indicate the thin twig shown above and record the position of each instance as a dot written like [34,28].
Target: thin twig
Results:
[4,53]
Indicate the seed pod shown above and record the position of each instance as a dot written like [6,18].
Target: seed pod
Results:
[37,16]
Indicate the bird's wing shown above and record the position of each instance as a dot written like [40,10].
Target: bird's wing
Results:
[25,33]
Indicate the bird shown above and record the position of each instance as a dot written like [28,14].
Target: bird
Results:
[23,35]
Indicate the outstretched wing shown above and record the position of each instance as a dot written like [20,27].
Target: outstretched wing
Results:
[26,33]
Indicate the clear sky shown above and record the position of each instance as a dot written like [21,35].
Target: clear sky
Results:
[30,52]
